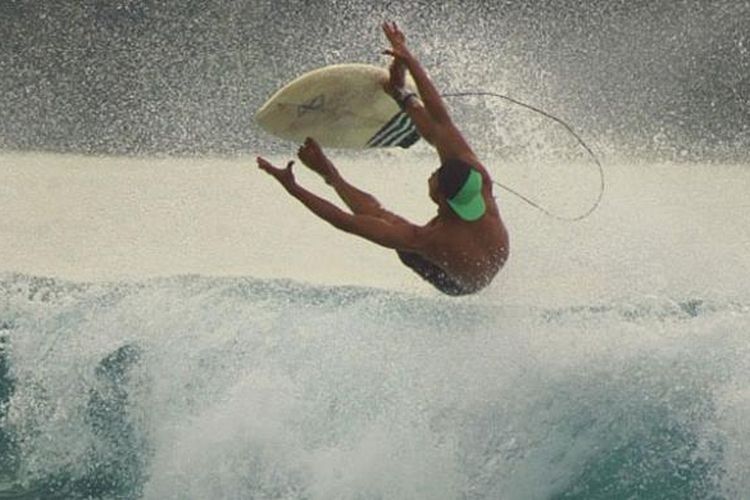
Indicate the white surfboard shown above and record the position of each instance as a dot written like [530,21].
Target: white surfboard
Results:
[340,106]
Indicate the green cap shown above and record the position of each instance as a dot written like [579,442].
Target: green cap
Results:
[468,202]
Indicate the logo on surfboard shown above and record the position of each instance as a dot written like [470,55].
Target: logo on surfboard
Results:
[315,104]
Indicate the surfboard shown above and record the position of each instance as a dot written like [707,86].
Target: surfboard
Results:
[340,106]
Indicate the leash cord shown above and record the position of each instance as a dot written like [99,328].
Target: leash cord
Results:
[570,130]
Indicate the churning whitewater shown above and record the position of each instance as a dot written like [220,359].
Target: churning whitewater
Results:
[193,387]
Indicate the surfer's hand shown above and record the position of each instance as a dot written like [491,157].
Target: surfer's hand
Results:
[313,157]
[394,34]
[285,176]
[398,42]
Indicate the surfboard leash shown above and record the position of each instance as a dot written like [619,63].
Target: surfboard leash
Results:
[570,130]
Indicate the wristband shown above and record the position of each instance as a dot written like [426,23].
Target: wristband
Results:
[402,97]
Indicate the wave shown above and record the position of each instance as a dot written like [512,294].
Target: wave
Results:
[199,387]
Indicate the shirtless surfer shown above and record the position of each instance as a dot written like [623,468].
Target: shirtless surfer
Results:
[463,247]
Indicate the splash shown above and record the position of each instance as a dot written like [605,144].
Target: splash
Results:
[195,387]
[665,80]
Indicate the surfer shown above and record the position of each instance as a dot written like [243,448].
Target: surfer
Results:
[464,246]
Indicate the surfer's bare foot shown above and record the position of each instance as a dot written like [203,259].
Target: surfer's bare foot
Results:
[313,157]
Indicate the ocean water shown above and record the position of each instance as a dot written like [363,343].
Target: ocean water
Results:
[172,325]
[195,387]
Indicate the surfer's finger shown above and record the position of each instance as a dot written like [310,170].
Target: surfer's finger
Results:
[390,30]
[289,165]
[265,166]
[397,32]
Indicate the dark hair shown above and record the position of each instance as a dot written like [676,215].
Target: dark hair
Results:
[452,175]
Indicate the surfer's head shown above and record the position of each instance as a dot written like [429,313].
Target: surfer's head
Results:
[461,186]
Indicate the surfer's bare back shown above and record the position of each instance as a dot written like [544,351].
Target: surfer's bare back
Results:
[463,247]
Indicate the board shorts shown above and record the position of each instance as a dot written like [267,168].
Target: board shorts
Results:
[433,274]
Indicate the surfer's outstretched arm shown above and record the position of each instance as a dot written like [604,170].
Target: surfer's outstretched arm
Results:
[399,235]
[427,91]
[358,201]
[441,131]
[407,102]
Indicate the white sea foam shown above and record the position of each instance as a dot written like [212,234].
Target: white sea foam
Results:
[226,388]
